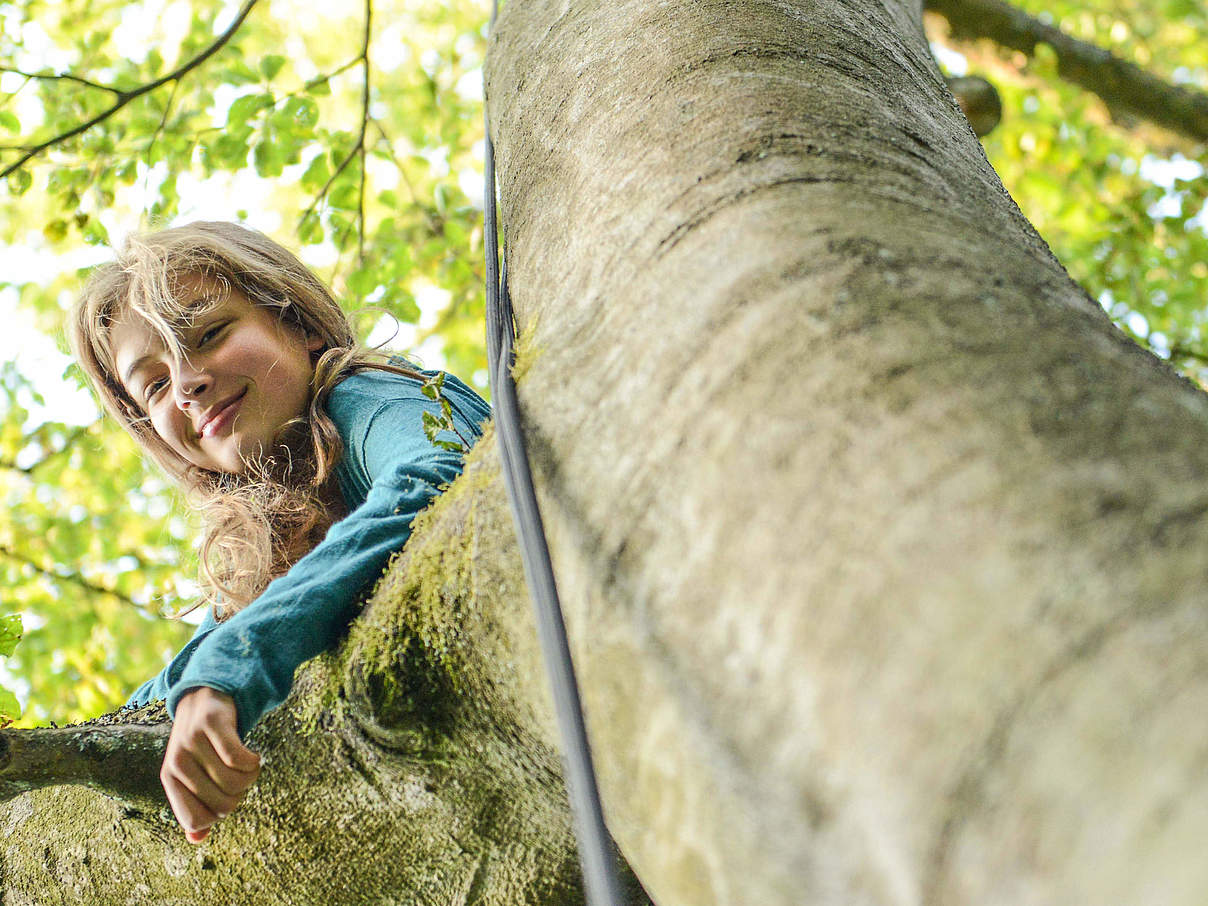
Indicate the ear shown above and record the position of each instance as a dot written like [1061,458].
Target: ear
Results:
[313,342]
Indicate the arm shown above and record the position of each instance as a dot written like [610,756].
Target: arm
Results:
[245,666]
[252,656]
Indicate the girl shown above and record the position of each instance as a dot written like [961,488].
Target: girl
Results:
[235,370]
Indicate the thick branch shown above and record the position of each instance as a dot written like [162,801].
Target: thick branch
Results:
[120,760]
[1123,86]
[125,97]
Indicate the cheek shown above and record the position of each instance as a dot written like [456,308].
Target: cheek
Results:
[166,427]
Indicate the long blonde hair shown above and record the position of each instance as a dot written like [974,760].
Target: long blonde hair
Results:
[257,523]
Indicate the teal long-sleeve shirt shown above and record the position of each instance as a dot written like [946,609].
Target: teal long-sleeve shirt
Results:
[388,473]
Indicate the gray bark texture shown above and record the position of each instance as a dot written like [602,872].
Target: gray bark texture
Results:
[882,551]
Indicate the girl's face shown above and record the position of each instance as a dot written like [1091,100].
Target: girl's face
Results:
[244,375]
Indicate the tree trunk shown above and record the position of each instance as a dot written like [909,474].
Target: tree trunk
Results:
[881,549]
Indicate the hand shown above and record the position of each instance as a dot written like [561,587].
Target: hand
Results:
[206,768]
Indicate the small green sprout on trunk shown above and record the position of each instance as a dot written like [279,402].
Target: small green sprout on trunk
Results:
[435,424]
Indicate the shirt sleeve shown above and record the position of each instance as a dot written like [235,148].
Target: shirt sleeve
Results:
[253,654]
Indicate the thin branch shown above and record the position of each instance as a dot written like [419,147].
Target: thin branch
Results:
[1183,352]
[62,76]
[359,147]
[67,444]
[125,97]
[361,140]
[318,80]
[1123,86]
[8,99]
[73,578]
[163,121]
[389,147]
[331,179]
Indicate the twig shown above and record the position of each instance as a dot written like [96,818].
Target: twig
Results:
[125,97]
[12,96]
[67,444]
[62,76]
[359,147]
[163,121]
[327,185]
[389,146]
[1182,352]
[73,578]
[361,140]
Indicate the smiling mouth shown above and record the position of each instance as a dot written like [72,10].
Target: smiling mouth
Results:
[222,417]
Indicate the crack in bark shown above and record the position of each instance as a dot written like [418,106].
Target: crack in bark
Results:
[1180,518]
[718,205]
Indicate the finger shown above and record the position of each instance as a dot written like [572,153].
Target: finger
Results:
[184,769]
[198,836]
[193,815]
[229,780]
[234,754]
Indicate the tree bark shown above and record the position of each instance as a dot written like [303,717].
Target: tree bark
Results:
[881,549]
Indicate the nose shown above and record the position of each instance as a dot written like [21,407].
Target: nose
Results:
[191,385]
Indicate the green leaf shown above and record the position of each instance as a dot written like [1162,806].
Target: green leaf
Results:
[10,708]
[271,65]
[316,174]
[19,182]
[268,159]
[95,232]
[363,281]
[310,229]
[55,231]
[243,108]
[302,112]
[229,152]
[346,197]
[10,633]
[128,172]
[9,121]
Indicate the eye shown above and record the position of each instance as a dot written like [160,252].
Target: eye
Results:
[152,389]
[209,335]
